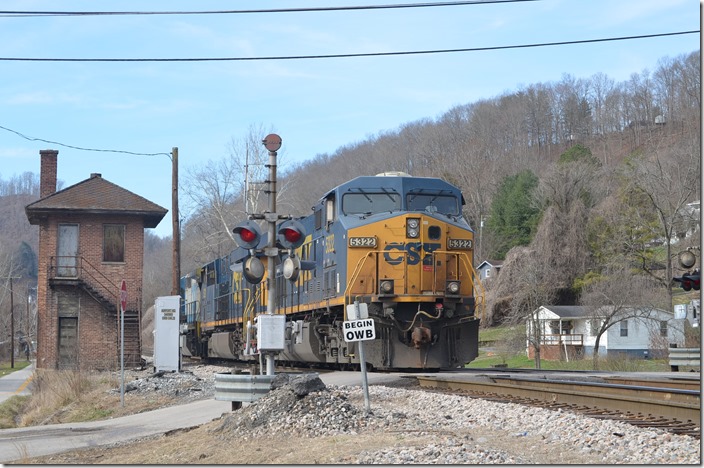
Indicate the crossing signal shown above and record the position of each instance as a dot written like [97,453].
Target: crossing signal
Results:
[247,235]
[291,234]
[689,281]
[253,270]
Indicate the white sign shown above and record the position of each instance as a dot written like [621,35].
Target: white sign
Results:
[357,311]
[358,330]
[166,334]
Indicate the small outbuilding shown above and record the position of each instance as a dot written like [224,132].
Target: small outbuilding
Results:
[91,238]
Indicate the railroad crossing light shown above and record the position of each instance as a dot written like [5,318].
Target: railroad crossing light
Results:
[693,279]
[689,281]
[291,234]
[291,268]
[247,235]
[253,270]
[686,259]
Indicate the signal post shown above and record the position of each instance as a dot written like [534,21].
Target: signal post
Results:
[270,327]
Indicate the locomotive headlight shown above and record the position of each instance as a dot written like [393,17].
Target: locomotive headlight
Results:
[386,286]
[412,225]
[452,287]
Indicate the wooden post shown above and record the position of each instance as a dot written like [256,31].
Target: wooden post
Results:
[176,228]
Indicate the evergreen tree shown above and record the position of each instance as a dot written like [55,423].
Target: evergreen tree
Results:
[514,216]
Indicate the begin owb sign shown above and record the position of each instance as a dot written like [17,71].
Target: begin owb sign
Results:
[358,330]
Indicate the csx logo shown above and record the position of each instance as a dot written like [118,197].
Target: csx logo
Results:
[396,251]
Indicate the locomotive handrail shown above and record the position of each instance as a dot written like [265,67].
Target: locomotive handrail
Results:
[460,256]
[353,277]
[473,275]
[248,309]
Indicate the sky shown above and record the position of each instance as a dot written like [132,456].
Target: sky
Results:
[139,110]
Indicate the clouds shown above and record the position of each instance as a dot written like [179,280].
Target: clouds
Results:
[316,105]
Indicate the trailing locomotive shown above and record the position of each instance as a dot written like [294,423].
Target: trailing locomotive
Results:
[395,242]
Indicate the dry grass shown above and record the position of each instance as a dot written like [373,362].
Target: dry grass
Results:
[74,396]
[201,446]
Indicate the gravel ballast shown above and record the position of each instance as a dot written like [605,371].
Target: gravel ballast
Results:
[455,429]
[426,427]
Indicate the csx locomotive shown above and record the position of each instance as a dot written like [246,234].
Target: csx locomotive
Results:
[392,241]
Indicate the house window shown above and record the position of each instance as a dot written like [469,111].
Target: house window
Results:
[624,328]
[487,273]
[113,242]
[663,328]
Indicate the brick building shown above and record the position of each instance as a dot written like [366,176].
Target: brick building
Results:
[91,237]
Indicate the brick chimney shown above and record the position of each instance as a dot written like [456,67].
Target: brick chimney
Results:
[47,172]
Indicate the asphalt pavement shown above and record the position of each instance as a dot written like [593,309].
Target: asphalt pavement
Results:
[16,383]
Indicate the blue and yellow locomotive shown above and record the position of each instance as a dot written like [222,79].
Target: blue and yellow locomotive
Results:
[395,242]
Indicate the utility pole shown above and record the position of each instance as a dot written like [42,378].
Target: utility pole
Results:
[176,227]
[12,322]
[12,327]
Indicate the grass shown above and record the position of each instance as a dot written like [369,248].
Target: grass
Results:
[5,368]
[495,354]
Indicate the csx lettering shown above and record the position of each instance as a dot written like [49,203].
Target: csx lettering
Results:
[396,251]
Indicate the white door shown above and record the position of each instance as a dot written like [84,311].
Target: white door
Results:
[67,251]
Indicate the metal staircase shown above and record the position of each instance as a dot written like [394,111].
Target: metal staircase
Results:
[85,276]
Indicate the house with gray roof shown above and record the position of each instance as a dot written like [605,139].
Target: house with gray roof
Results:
[569,332]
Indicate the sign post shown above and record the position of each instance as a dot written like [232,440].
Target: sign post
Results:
[360,328]
[123,304]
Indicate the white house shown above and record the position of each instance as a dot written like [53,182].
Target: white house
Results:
[570,332]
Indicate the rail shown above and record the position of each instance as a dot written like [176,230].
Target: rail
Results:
[671,403]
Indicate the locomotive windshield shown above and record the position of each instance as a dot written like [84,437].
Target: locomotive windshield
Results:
[370,203]
[433,202]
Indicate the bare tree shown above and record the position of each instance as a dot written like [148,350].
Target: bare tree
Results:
[568,191]
[219,193]
[533,288]
[659,185]
[619,296]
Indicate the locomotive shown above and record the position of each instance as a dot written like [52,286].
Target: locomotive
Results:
[397,243]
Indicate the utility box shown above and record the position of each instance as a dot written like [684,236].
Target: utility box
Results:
[167,353]
[271,331]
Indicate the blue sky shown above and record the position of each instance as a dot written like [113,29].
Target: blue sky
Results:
[316,105]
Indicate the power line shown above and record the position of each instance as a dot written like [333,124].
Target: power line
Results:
[81,148]
[329,56]
[274,10]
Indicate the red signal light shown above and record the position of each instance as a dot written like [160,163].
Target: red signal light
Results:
[292,235]
[247,235]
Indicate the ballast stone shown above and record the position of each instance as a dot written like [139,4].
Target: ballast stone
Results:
[300,384]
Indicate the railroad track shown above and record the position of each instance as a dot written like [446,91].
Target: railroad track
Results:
[642,403]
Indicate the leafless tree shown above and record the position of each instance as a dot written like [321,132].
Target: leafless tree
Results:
[567,192]
[660,184]
[532,288]
[219,193]
[617,296]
